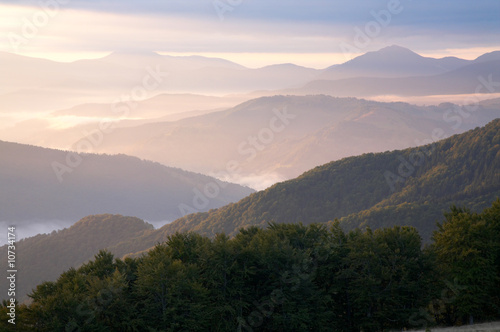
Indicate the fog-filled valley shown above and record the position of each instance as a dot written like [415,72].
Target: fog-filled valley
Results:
[162,169]
[254,127]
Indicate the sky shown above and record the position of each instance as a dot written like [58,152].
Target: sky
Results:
[254,33]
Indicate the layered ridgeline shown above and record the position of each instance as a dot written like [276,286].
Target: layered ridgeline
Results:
[405,187]
[289,277]
[398,71]
[45,256]
[46,184]
[270,139]
[320,129]
[67,84]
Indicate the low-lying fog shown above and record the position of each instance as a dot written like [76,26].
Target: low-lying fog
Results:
[29,228]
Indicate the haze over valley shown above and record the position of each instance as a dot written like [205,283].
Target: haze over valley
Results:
[159,114]
[254,127]
[249,165]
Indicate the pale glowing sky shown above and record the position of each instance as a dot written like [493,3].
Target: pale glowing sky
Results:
[253,33]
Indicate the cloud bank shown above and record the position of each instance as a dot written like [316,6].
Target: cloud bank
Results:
[242,26]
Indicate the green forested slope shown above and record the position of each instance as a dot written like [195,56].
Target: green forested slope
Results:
[45,256]
[461,170]
[406,187]
[288,277]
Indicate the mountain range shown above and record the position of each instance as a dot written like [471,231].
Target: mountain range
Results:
[261,128]
[397,61]
[42,185]
[475,78]
[30,84]
[410,187]
[271,139]
[402,187]
[175,109]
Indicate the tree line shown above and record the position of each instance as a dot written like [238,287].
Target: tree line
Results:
[288,277]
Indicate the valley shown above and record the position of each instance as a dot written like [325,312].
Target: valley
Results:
[195,189]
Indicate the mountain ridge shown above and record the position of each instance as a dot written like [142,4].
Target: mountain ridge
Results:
[123,184]
[462,80]
[370,190]
[392,61]
[44,256]
[66,85]
[321,128]
[275,204]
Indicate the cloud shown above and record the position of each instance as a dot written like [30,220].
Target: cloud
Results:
[251,26]
[105,31]
[434,13]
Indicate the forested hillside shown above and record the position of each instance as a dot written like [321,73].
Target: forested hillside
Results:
[289,277]
[405,187]
[45,256]
[368,190]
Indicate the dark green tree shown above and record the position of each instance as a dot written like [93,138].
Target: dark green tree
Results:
[170,295]
[466,247]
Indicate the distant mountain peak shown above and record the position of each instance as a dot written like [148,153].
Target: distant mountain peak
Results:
[491,56]
[392,61]
[393,51]
[384,56]
[396,48]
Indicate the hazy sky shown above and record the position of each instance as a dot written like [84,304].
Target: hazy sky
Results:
[315,33]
